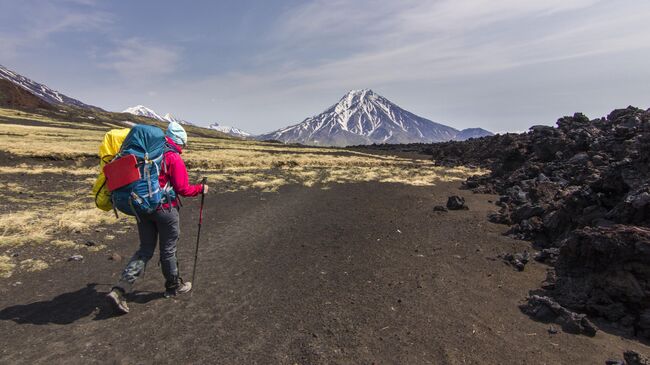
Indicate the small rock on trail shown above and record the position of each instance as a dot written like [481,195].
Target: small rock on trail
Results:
[614,362]
[456,202]
[439,208]
[633,358]
[517,260]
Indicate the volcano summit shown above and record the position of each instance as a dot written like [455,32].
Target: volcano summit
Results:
[364,117]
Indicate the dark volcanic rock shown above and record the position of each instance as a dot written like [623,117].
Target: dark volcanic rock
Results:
[456,203]
[439,208]
[547,310]
[633,358]
[580,190]
[517,260]
[526,211]
[614,362]
[501,217]
[548,255]
[604,272]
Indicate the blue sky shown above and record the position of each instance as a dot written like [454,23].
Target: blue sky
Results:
[503,65]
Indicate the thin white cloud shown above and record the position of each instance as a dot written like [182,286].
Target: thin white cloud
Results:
[369,42]
[137,59]
[375,22]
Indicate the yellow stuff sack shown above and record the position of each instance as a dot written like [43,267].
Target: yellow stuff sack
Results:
[107,150]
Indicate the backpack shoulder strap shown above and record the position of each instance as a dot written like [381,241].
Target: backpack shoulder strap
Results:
[168,148]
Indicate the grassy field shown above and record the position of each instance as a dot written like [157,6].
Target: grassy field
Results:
[51,164]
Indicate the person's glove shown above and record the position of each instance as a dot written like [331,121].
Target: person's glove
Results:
[205,188]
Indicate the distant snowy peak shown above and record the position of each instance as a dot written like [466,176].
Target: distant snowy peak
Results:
[143,111]
[363,117]
[170,118]
[40,90]
[236,132]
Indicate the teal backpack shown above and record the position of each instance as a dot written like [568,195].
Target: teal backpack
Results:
[144,195]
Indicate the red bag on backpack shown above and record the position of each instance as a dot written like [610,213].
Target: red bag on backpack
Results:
[121,172]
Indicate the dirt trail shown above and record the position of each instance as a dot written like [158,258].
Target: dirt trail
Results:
[356,274]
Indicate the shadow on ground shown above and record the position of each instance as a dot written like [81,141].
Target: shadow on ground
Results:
[70,307]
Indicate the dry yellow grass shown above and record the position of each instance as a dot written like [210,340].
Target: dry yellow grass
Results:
[80,215]
[416,173]
[39,141]
[6,266]
[10,187]
[65,244]
[46,224]
[26,169]
[240,165]
[31,265]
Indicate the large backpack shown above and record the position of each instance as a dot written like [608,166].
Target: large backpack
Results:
[145,146]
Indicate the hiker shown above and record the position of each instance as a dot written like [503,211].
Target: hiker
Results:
[162,226]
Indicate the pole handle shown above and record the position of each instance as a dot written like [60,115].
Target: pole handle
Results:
[204,181]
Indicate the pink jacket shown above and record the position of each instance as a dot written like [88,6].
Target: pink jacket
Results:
[174,172]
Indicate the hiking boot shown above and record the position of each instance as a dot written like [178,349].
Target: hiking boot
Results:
[116,299]
[180,287]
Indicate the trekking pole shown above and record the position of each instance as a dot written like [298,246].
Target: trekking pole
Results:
[198,235]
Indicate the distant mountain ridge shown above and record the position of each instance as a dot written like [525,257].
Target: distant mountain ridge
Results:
[42,91]
[229,130]
[364,117]
[170,118]
[142,110]
[468,133]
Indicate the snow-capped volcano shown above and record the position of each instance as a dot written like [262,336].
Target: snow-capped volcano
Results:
[236,132]
[363,117]
[143,111]
[41,91]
